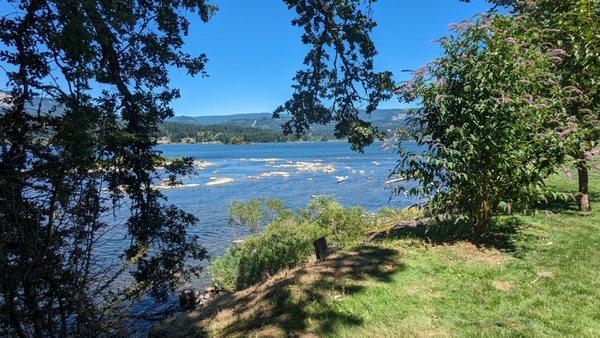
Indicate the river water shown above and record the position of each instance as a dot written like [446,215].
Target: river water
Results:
[292,172]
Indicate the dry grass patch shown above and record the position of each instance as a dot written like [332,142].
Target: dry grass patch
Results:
[545,274]
[502,285]
[424,289]
[469,252]
[292,302]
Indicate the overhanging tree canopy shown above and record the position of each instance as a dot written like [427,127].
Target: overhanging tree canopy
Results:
[105,65]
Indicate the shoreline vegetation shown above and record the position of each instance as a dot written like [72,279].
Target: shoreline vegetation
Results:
[231,134]
[169,142]
[170,133]
[519,279]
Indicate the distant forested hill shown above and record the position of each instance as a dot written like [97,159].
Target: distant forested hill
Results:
[227,134]
[239,128]
[386,120]
[380,117]
[260,127]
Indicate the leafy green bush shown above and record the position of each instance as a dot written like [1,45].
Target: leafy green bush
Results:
[342,226]
[253,213]
[487,124]
[287,241]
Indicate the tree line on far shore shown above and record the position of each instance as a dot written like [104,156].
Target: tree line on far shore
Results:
[171,132]
[227,134]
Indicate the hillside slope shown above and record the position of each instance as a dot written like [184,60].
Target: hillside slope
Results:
[537,276]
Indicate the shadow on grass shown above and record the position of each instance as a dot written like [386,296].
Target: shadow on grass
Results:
[303,297]
[302,301]
[502,234]
[565,203]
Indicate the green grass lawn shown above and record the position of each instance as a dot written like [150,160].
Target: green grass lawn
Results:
[547,283]
[539,277]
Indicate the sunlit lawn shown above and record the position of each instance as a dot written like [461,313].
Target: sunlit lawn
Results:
[547,283]
[540,277]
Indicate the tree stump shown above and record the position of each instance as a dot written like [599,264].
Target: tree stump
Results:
[320,248]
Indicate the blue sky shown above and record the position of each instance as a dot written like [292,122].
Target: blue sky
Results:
[254,51]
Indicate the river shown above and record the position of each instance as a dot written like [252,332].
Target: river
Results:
[292,172]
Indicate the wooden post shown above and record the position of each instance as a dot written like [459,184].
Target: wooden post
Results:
[320,248]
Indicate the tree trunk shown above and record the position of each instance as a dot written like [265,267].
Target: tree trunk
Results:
[482,220]
[584,195]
